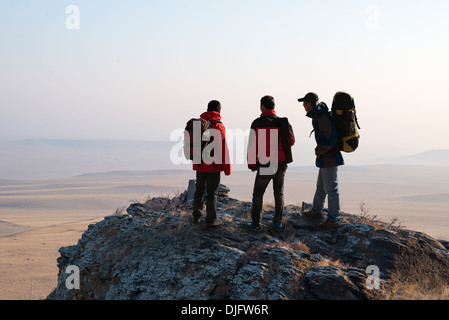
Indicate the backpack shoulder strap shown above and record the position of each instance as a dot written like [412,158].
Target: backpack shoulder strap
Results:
[320,114]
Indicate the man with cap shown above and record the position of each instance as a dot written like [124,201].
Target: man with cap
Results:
[328,159]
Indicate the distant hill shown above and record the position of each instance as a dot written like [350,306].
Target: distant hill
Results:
[42,158]
[85,144]
[431,157]
[427,158]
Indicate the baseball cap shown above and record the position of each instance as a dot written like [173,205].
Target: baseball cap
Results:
[310,97]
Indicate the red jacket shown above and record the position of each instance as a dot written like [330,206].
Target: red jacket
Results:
[225,164]
[264,123]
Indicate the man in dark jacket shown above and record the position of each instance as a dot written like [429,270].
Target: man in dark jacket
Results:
[208,172]
[328,158]
[269,152]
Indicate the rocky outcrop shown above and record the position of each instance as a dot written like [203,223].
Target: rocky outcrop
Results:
[155,252]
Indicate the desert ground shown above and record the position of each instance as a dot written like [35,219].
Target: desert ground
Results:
[37,217]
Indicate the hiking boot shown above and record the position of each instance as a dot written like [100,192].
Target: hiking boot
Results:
[196,218]
[277,226]
[215,224]
[253,227]
[312,214]
[329,224]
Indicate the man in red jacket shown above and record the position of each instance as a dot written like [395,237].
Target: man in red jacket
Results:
[269,152]
[208,172]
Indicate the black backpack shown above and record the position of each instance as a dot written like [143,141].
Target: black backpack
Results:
[189,138]
[284,133]
[344,117]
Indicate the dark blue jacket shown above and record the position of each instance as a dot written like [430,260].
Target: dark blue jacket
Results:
[326,138]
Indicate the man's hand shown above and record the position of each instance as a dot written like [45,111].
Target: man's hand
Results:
[322,150]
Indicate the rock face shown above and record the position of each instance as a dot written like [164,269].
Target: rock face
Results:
[155,252]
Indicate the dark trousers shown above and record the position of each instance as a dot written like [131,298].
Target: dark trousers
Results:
[260,185]
[206,181]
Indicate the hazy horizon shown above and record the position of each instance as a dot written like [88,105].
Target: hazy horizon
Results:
[59,158]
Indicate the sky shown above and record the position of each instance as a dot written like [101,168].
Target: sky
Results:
[139,69]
